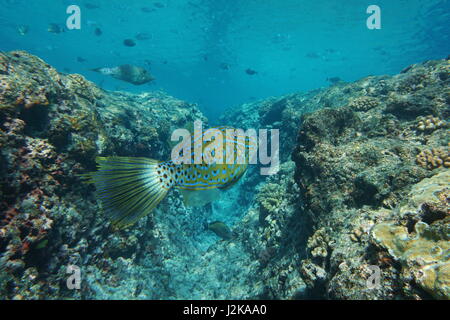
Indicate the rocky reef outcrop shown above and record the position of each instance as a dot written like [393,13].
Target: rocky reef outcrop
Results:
[357,166]
[52,126]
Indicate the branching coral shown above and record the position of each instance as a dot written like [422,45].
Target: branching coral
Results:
[430,123]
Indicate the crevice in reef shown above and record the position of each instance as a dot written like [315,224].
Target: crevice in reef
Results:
[36,120]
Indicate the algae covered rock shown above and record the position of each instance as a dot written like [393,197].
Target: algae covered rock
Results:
[52,126]
[423,253]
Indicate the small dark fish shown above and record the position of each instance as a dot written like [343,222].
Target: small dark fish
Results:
[224,66]
[312,55]
[55,28]
[147,9]
[221,230]
[91,6]
[334,80]
[98,32]
[250,71]
[205,57]
[158,5]
[129,42]
[81,59]
[143,36]
[23,30]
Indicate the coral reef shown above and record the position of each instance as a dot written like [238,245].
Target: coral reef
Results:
[52,126]
[356,164]
[368,186]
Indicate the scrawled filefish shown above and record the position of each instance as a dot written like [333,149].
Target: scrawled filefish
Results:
[130,188]
[128,73]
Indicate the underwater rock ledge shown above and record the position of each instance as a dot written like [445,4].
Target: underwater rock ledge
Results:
[358,166]
[52,126]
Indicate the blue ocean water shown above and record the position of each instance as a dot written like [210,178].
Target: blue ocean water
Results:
[199,50]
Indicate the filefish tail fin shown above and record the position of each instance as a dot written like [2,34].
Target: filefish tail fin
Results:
[129,188]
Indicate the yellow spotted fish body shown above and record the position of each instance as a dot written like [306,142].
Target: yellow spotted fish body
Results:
[129,188]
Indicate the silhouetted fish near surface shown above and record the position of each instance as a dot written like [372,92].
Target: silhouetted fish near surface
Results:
[224,66]
[334,80]
[147,9]
[91,6]
[221,230]
[143,36]
[312,55]
[128,73]
[129,42]
[98,32]
[55,28]
[23,30]
[250,72]
[159,5]
[81,59]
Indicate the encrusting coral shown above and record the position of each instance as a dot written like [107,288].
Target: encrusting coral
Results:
[424,255]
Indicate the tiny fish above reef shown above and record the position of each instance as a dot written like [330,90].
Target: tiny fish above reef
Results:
[147,9]
[224,66]
[98,32]
[91,6]
[55,28]
[334,80]
[143,36]
[159,5]
[23,30]
[128,73]
[129,42]
[130,188]
[250,72]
